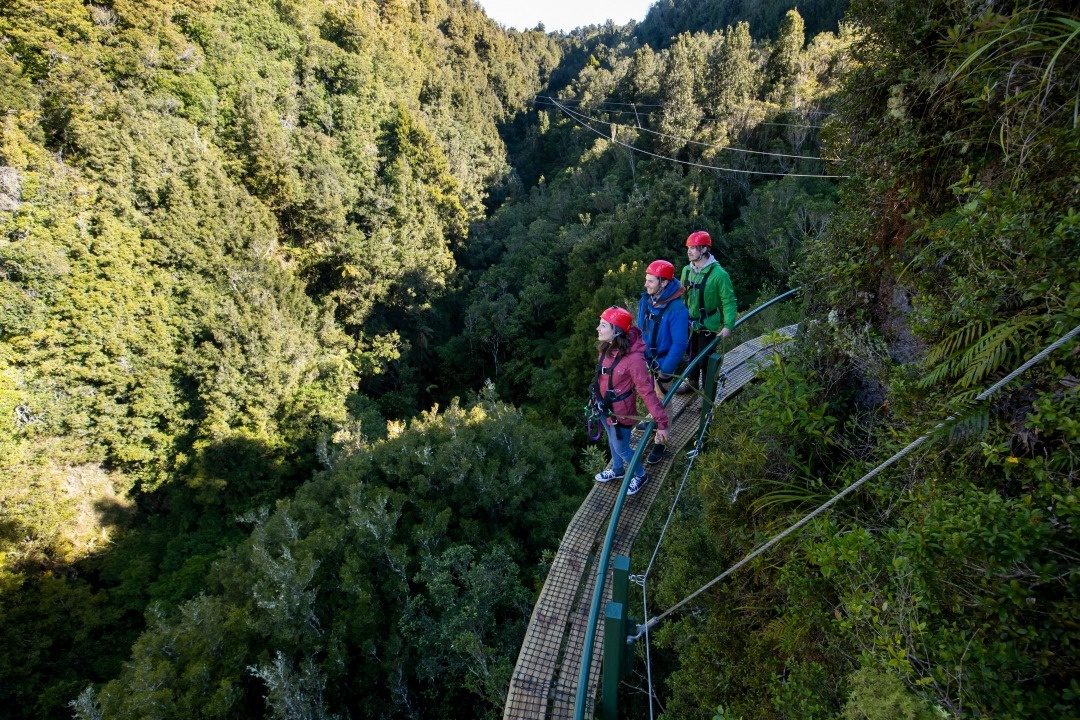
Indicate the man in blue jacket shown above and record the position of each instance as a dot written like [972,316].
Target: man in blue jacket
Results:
[665,328]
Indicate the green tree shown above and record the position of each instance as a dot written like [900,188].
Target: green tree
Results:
[678,99]
[732,77]
[472,611]
[779,218]
[368,592]
[782,67]
[217,222]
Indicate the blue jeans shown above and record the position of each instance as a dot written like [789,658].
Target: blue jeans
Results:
[618,438]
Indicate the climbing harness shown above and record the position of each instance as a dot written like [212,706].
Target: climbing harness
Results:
[699,285]
[594,415]
[601,405]
[654,318]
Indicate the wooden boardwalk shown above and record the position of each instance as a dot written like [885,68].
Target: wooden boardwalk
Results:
[545,679]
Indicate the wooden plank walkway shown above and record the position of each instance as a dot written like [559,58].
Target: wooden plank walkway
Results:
[545,679]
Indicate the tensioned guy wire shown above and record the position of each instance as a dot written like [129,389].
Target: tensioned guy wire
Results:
[853,487]
[642,579]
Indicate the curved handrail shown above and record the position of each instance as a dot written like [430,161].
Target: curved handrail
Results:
[693,364]
[616,512]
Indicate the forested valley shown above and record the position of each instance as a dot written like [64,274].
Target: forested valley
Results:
[297,310]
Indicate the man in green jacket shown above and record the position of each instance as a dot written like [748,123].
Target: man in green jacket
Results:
[710,298]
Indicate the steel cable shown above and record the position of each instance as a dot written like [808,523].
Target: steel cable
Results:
[853,487]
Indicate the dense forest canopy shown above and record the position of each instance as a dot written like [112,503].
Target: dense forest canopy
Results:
[667,19]
[296,316]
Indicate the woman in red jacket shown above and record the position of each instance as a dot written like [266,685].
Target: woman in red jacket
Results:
[621,375]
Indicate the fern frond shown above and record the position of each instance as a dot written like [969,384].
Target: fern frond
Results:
[974,352]
[990,353]
[956,340]
[936,375]
[784,631]
[970,427]
[963,420]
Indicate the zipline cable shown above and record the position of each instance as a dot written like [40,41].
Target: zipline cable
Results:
[821,113]
[581,119]
[696,142]
[570,113]
[853,487]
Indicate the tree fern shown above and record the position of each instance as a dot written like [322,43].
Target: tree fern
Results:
[949,348]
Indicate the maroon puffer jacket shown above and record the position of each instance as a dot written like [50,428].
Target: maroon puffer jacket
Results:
[631,373]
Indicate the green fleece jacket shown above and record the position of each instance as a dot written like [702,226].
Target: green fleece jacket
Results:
[709,288]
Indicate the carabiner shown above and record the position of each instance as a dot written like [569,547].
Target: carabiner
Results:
[594,422]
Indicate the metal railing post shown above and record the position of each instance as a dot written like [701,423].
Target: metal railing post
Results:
[614,654]
[615,631]
[620,579]
[620,593]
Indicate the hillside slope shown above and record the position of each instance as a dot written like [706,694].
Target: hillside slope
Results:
[947,586]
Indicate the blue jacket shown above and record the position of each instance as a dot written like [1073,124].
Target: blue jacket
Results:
[665,328]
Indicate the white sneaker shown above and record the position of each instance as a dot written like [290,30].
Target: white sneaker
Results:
[636,484]
[608,475]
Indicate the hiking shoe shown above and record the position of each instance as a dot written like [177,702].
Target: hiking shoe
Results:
[636,484]
[607,475]
[656,455]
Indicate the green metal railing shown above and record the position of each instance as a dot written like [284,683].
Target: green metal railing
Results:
[616,512]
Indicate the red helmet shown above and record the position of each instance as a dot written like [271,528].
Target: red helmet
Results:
[618,317]
[699,238]
[661,269]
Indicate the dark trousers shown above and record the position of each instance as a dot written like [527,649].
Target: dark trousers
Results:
[698,342]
